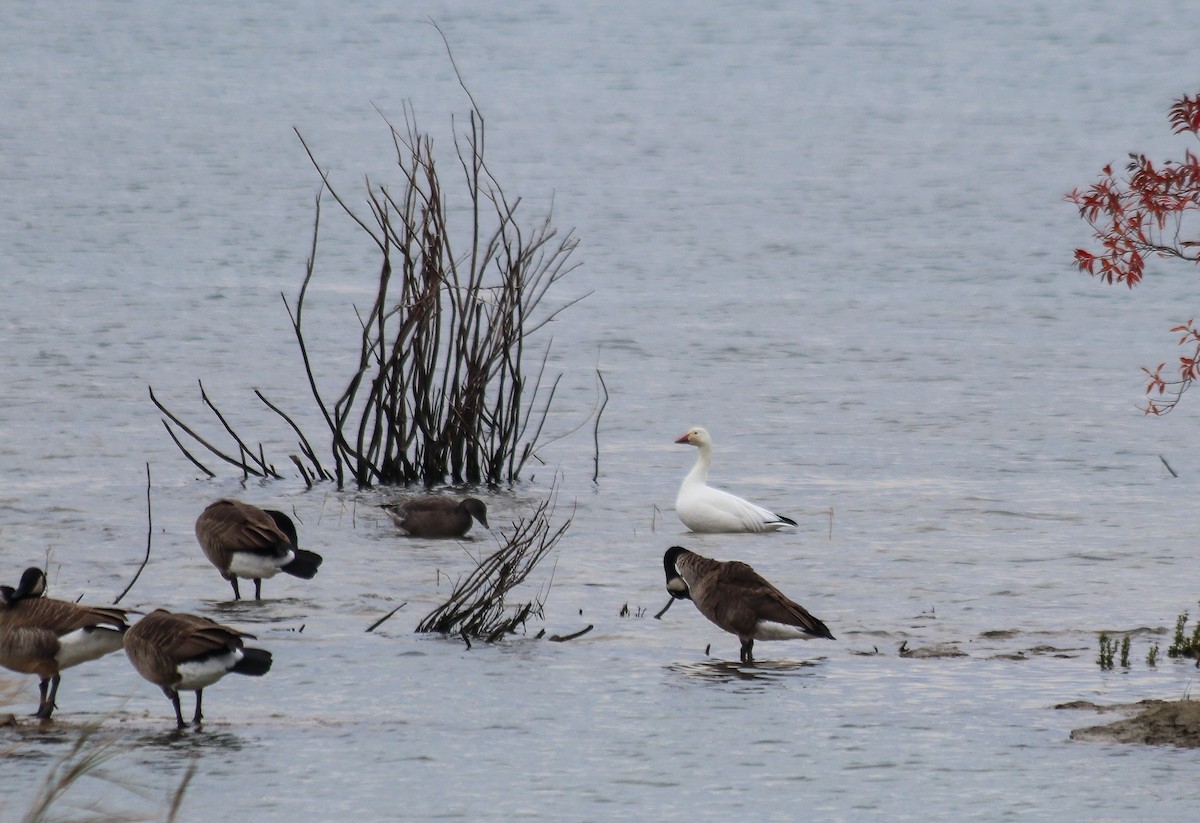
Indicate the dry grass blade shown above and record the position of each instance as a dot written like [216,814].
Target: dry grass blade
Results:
[476,607]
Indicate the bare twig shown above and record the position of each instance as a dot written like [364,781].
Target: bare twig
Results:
[149,537]
[596,429]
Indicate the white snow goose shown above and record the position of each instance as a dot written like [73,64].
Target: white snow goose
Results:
[705,509]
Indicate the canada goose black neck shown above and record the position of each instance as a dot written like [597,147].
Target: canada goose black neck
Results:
[677,587]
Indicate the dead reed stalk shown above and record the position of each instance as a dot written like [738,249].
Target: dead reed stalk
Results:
[477,606]
[444,390]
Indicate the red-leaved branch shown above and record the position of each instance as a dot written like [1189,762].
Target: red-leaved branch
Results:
[1148,212]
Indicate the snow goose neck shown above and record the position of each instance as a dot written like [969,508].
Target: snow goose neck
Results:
[739,600]
[705,509]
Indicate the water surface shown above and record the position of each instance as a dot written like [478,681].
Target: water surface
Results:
[833,235]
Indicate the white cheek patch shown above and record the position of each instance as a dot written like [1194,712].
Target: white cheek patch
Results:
[766,630]
[201,674]
[87,644]
[257,566]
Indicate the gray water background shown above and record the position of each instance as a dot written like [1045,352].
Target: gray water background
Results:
[832,233]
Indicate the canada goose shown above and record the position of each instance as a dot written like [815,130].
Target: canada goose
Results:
[433,516]
[40,635]
[245,541]
[739,600]
[186,652]
[705,509]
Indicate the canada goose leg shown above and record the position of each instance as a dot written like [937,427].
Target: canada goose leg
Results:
[47,694]
[748,651]
[237,595]
[258,588]
[197,717]
[173,696]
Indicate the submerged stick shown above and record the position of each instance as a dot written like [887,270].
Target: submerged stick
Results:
[562,638]
[380,621]
[664,609]
[149,536]
[1168,465]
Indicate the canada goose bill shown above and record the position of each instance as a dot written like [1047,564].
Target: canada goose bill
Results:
[185,652]
[434,516]
[739,600]
[40,635]
[705,509]
[245,541]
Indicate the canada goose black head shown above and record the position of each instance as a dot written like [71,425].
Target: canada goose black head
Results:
[677,587]
[32,585]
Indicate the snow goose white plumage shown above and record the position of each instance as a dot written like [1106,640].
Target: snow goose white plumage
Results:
[705,509]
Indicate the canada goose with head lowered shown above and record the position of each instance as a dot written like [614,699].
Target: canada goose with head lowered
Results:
[185,652]
[40,635]
[433,516]
[245,541]
[739,600]
[705,509]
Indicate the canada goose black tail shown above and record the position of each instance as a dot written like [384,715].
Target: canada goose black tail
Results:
[256,662]
[304,564]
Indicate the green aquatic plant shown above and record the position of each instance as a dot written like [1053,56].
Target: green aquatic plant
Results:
[1152,656]
[1125,645]
[1183,645]
[1108,648]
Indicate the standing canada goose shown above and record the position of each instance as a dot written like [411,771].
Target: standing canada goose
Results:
[40,635]
[245,541]
[739,600]
[705,509]
[433,516]
[186,652]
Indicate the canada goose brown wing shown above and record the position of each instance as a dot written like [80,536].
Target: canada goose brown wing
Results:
[60,616]
[769,603]
[228,526]
[183,636]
